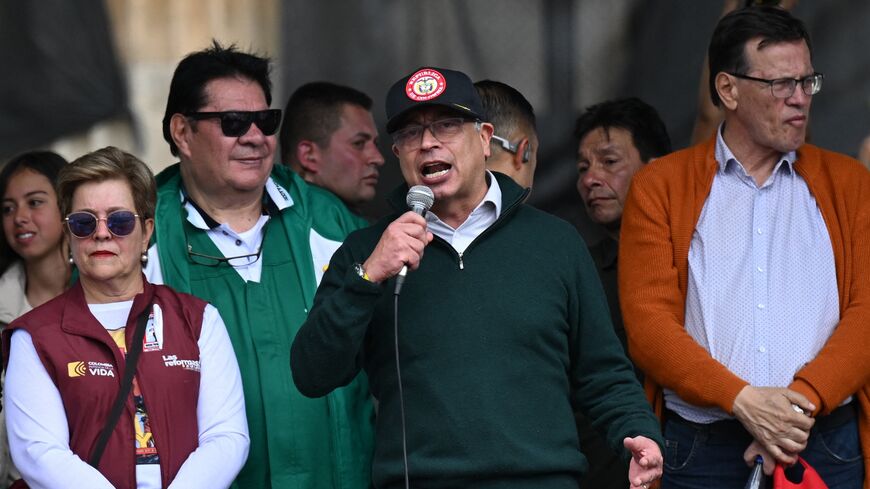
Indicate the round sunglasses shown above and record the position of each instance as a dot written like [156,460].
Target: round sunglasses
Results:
[84,224]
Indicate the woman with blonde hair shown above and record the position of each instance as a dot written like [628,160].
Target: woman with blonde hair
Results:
[118,382]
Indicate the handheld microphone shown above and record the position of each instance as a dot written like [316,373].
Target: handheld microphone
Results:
[420,199]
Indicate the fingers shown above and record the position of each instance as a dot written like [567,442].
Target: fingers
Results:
[401,244]
[646,461]
[798,400]
[768,414]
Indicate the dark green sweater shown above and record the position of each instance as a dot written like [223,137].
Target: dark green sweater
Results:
[496,347]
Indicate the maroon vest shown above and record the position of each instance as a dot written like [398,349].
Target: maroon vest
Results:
[87,367]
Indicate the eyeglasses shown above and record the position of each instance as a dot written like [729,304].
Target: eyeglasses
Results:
[235,123]
[411,136]
[233,261]
[784,87]
[84,224]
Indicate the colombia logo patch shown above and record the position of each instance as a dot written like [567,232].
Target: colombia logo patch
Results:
[425,84]
[95,369]
[76,369]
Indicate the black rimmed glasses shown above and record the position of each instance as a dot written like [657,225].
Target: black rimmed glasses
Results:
[235,123]
[410,137]
[785,87]
[233,261]
[83,224]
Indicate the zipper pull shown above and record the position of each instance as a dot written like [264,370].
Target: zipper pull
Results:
[461,265]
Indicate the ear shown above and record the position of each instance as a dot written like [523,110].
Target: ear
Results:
[517,159]
[147,230]
[308,154]
[486,130]
[727,90]
[180,130]
[395,151]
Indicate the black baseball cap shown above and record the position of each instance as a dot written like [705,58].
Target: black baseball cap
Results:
[432,86]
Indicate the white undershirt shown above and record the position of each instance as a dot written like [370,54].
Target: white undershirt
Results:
[39,432]
[482,217]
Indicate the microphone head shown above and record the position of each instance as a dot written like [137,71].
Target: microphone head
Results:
[420,198]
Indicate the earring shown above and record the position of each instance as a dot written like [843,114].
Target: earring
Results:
[71,261]
[144,258]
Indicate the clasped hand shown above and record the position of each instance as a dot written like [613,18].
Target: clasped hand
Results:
[769,415]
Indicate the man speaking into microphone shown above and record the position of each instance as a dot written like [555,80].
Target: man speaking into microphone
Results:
[500,330]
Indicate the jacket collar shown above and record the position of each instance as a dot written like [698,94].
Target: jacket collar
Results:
[78,320]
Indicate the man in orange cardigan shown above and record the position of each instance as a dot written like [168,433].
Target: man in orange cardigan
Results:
[745,276]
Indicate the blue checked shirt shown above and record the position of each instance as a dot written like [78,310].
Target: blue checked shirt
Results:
[762,289]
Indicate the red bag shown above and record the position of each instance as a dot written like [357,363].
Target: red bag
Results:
[810,480]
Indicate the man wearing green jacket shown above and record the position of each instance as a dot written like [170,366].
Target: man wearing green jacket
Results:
[254,239]
[502,326]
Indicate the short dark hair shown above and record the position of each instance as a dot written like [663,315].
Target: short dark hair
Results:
[727,51]
[505,108]
[196,70]
[313,113]
[647,130]
[46,163]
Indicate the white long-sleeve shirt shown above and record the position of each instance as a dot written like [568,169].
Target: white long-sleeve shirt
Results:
[39,433]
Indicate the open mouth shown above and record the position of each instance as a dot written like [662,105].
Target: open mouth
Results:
[435,170]
[24,236]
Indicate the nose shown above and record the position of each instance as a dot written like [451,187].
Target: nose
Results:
[102,231]
[253,136]
[375,156]
[591,178]
[21,215]
[429,139]
[798,98]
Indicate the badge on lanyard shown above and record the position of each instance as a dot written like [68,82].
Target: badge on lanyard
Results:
[153,340]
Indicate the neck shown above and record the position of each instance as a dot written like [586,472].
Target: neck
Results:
[115,290]
[757,161]
[456,212]
[612,231]
[46,278]
[240,211]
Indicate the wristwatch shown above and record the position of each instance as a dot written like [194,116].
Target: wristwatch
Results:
[358,268]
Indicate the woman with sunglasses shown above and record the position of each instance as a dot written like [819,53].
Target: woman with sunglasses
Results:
[118,382]
[33,256]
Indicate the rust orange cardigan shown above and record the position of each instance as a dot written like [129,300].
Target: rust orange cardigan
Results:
[661,211]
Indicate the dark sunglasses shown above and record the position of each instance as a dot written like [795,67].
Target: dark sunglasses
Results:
[235,123]
[84,224]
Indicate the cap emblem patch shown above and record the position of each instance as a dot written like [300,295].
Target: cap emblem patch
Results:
[425,84]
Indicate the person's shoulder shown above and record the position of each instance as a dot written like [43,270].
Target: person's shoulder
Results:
[841,166]
[328,214]
[167,174]
[678,162]
[168,295]
[13,302]
[544,226]
[371,233]
[48,315]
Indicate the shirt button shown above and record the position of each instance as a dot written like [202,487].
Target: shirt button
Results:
[762,349]
[759,231]
[761,306]
[760,269]
[238,242]
[227,234]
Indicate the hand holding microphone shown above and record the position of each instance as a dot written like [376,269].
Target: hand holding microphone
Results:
[401,245]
